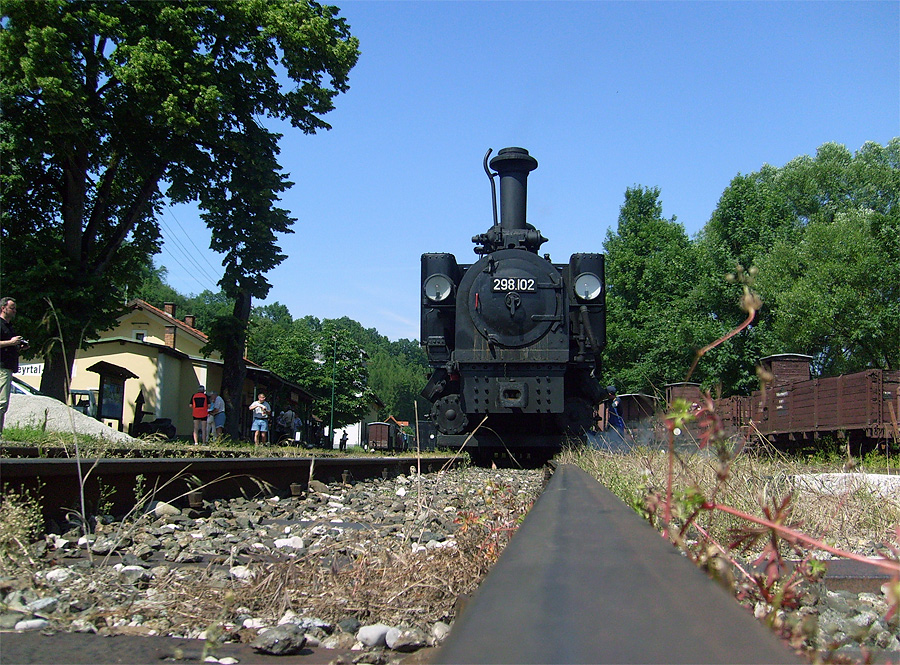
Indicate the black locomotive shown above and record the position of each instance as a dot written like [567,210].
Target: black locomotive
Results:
[513,337]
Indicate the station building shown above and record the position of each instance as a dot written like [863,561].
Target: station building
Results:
[146,368]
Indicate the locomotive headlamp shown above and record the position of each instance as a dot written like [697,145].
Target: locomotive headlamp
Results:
[588,286]
[438,287]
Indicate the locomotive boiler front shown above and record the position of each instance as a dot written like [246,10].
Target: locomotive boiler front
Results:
[513,336]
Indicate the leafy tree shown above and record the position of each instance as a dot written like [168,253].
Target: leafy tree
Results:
[837,291]
[112,108]
[335,372]
[154,290]
[752,214]
[393,371]
[807,226]
[207,307]
[398,380]
[650,267]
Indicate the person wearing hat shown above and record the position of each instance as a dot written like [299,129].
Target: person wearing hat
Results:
[614,417]
[217,412]
[200,410]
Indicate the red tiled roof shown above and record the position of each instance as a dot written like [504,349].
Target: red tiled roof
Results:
[137,303]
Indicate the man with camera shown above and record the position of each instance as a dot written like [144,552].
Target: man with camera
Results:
[10,345]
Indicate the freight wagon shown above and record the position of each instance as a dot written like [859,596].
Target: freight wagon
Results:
[860,409]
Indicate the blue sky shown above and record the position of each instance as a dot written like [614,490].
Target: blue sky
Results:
[681,96]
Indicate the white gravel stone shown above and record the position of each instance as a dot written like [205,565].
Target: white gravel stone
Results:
[132,574]
[295,542]
[373,635]
[83,626]
[405,639]
[59,575]
[163,509]
[439,631]
[254,623]
[241,573]
[32,624]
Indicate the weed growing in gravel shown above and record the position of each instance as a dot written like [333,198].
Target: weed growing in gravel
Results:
[20,522]
[721,503]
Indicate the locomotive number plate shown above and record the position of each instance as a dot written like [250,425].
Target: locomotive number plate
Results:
[521,284]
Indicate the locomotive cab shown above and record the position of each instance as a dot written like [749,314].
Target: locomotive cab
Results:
[514,340]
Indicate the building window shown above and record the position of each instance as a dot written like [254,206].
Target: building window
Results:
[139,335]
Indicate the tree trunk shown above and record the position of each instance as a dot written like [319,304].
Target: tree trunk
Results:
[57,370]
[234,369]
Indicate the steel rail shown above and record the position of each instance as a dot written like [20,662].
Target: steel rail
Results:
[114,481]
[586,580]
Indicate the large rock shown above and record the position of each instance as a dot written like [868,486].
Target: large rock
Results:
[54,416]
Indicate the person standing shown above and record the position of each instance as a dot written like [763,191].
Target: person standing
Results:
[261,411]
[614,414]
[10,345]
[286,423]
[200,411]
[343,444]
[217,412]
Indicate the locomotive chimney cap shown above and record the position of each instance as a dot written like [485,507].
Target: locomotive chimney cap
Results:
[513,159]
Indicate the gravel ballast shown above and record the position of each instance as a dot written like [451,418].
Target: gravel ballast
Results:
[170,572]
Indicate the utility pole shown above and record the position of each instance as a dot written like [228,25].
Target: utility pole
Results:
[333,368]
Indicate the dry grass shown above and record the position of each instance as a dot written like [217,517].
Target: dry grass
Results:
[20,521]
[750,482]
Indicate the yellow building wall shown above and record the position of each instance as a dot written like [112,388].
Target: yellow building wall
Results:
[154,329]
[167,380]
[142,360]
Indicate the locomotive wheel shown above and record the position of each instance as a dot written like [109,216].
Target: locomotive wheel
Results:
[578,416]
[448,415]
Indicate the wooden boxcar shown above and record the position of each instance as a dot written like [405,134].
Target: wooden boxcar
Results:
[857,407]
[384,436]
[862,408]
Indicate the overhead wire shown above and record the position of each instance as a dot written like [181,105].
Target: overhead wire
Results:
[199,252]
[184,258]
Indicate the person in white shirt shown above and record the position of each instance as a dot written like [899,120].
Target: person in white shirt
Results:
[217,412]
[261,412]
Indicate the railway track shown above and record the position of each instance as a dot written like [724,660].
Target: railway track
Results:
[114,484]
[584,580]
[600,586]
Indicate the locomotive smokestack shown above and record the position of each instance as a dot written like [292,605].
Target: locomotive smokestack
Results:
[513,165]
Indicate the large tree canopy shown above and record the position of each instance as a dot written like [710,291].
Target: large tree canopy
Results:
[112,108]
[650,268]
[823,232]
[836,293]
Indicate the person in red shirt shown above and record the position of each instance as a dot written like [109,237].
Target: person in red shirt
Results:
[200,411]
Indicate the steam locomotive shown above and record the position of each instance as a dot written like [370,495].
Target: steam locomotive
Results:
[514,340]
